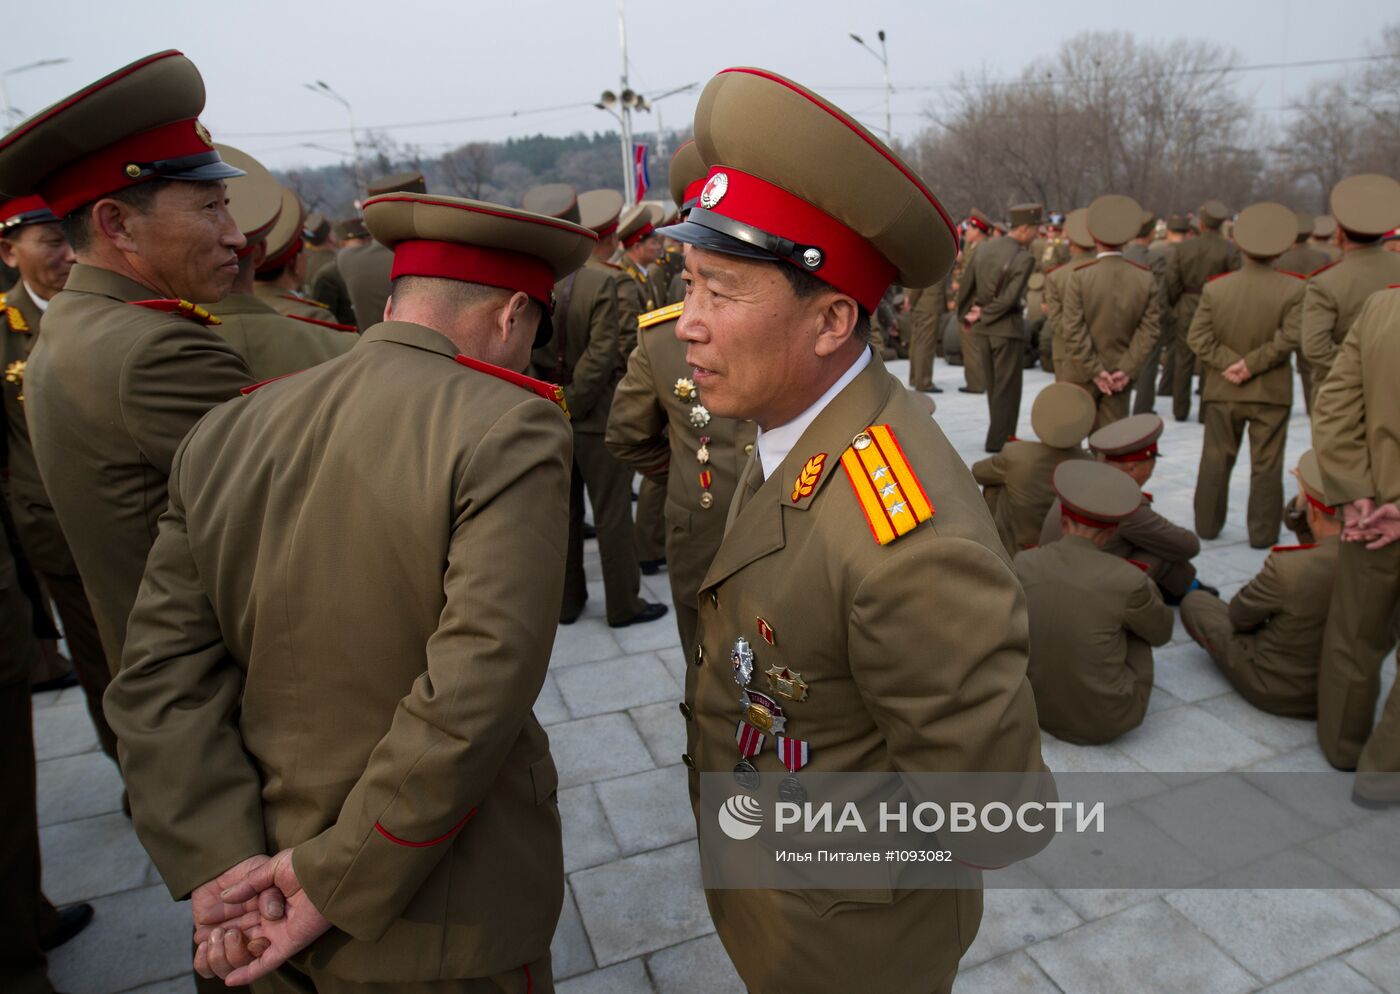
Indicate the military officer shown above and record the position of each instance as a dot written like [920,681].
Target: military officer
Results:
[281,275]
[126,364]
[990,301]
[320,248]
[1193,262]
[583,356]
[686,177]
[1081,250]
[1094,617]
[327,286]
[398,815]
[365,267]
[1139,250]
[1267,640]
[1109,318]
[1178,230]
[32,242]
[1017,481]
[1238,334]
[1051,247]
[1366,207]
[1355,421]
[975,228]
[1324,237]
[1303,258]
[834,549]
[272,344]
[1163,548]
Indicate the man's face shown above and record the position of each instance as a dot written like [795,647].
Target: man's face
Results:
[751,343]
[42,256]
[646,251]
[187,243]
[1024,234]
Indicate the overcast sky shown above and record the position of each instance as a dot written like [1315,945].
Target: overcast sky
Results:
[440,60]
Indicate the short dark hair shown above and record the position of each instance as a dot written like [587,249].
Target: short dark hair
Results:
[1359,239]
[77,224]
[268,275]
[805,286]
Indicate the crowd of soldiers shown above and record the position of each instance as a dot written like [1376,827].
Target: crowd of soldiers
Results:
[307,500]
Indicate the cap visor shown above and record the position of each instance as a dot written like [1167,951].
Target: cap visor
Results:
[715,241]
[208,172]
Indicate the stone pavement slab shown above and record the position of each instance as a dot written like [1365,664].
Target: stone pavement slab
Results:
[1013,919]
[79,786]
[624,978]
[1188,740]
[642,903]
[698,965]
[65,731]
[588,839]
[1379,962]
[1332,977]
[1015,973]
[606,745]
[616,684]
[135,936]
[648,810]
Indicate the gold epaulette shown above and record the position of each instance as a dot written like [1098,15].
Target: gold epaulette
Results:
[184,308]
[886,488]
[13,316]
[667,313]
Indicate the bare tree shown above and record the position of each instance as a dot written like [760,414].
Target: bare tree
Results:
[466,170]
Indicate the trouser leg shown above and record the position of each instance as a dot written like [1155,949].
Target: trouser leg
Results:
[1145,397]
[1109,407]
[609,484]
[974,369]
[1268,433]
[650,528]
[85,646]
[575,583]
[1219,449]
[1005,370]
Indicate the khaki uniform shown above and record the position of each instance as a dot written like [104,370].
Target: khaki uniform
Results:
[1193,262]
[650,525]
[328,287]
[1166,341]
[382,730]
[1018,484]
[1354,425]
[41,540]
[584,358]
[366,270]
[111,390]
[892,686]
[1110,321]
[650,427]
[1055,281]
[1267,640]
[317,259]
[974,373]
[1094,620]
[994,280]
[1145,385]
[634,298]
[271,344]
[292,304]
[1145,537]
[1242,315]
[928,309]
[1303,259]
[1332,300]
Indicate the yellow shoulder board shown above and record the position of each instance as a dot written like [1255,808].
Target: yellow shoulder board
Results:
[12,315]
[886,488]
[667,313]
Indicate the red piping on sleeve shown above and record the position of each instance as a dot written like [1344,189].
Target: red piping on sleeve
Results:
[431,842]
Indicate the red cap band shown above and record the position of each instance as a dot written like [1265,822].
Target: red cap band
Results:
[473,264]
[693,190]
[105,171]
[849,262]
[606,229]
[638,235]
[31,204]
[1141,455]
[284,257]
[1084,519]
[1326,509]
[978,224]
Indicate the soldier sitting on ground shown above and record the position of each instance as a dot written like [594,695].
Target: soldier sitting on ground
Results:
[1017,480]
[1094,619]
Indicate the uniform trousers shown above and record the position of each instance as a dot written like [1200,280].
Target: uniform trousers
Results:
[1207,620]
[974,369]
[609,485]
[1226,422]
[536,978]
[1145,395]
[1305,373]
[1183,379]
[923,340]
[1360,633]
[1002,360]
[650,528]
[1165,356]
[1126,712]
[85,646]
[1108,407]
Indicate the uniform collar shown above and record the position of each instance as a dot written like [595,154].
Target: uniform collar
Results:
[23,301]
[1108,254]
[774,446]
[40,304]
[415,336]
[94,279]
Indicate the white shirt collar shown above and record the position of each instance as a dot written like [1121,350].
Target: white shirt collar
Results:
[1103,255]
[39,301]
[775,444]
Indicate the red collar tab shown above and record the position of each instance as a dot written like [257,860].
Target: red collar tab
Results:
[549,391]
[1139,564]
[170,148]
[638,235]
[181,307]
[283,258]
[474,264]
[1293,548]
[1141,455]
[826,248]
[1147,496]
[25,210]
[333,326]
[1326,509]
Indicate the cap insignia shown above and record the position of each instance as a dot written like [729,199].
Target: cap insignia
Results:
[714,191]
[203,133]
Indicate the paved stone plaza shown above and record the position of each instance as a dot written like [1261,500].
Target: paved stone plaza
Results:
[634,916]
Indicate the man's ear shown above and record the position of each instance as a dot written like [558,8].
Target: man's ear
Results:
[9,255]
[515,311]
[837,317]
[112,220]
[259,253]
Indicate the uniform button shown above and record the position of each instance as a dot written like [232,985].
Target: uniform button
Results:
[748,449]
[686,711]
[699,654]
[714,598]
[687,760]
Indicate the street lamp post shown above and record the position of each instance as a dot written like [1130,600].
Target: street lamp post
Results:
[884,58]
[324,90]
[11,114]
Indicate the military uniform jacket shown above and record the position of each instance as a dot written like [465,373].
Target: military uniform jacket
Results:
[1193,262]
[1085,605]
[1302,260]
[292,304]
[892,684]
[1055,280]
[1109,319]
[1286,608]
[1242,315]
[111,389]
[1023,474]
[366,270]
[994,279]
[348,614]
[328,287]
[583,355]
[1332,300]
[1155,263]
[632,297]
[40,536]
[651,430]
[1142,535]
[1358,409]
[929,306]
[273,345]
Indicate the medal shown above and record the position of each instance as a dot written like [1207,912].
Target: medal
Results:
[762,712]
[742,658]
[794,753]
[707,500]
[792,791]
[702,454]
[785,683]
[750,740]
[699,417]
[766,632]
[746,774]
[685,389]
